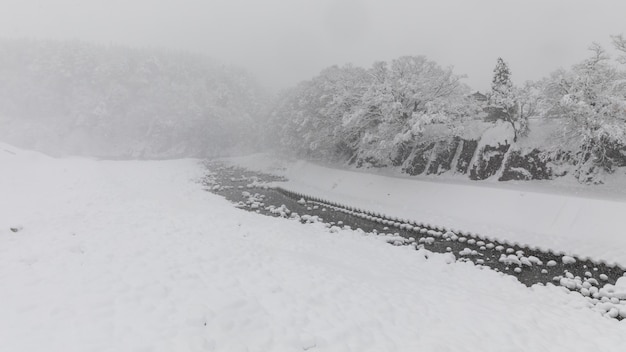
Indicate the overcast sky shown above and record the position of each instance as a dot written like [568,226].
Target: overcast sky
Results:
[286,41]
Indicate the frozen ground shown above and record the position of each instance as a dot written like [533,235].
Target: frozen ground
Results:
[134,256]
[537,214]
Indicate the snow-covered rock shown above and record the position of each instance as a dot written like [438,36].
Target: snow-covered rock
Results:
[568,259]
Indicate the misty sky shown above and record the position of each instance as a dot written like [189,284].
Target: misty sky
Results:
[285,41]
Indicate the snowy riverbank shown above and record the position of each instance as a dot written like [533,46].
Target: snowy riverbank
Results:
[134,256]
[536,214]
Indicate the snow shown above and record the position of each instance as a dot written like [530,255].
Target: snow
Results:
[620,289]
[500,133]
[537,214]
[134,256]
[510,259]
[568,260]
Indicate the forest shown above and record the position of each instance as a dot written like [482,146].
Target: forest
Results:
[408,114]
[414,115]
[71,97]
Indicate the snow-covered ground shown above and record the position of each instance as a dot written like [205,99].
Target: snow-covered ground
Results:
[134,256]
[538,214]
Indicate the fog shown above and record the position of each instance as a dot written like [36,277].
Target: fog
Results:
[142,140]
[194,78]
[284,42]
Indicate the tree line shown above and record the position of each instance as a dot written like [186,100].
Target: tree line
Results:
[119,101]
[372,115]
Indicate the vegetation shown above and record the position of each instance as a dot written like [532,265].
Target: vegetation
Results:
[117,101]
[379,115]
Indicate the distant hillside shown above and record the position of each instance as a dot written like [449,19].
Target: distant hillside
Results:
[79,98]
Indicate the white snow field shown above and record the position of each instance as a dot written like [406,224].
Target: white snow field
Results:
[135,256]
[589,221]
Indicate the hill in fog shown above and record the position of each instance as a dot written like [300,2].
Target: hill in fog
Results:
[85,99]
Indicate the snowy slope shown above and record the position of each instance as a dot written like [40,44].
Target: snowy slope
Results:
[586,226]
[134,256]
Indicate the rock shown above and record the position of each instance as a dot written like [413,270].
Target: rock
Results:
[443,155]
[622,312]
[510,259]
[525,261]
[620,288]
[489,161]
[525,166]
[568,260]
[417,165]
[468,148]
[613,312]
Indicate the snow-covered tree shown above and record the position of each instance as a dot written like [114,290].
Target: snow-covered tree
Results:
[504,100]
[311,117]
[501,85]
[593,101]
[119,101]
[406,95]
[619,42]
[369,114]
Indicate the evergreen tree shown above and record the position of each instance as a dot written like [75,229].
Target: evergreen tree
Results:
[503,102]
[501,83]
